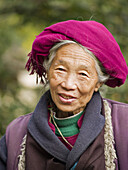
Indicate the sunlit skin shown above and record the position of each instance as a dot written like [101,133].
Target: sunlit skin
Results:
[72,79]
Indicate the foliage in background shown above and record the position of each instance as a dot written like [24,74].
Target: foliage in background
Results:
[21,20]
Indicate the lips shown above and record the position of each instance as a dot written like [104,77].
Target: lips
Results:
[65,98]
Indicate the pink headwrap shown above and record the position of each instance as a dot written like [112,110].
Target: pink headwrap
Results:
[90,34]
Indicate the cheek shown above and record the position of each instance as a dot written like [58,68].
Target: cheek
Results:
[84,87]
[86,96]
[54,80]
[87,88]
[54,74]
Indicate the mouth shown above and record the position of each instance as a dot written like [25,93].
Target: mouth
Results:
[64,98]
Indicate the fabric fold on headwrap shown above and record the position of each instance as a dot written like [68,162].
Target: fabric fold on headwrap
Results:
[90,34]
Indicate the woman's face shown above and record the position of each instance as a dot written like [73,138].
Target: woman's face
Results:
[72,78]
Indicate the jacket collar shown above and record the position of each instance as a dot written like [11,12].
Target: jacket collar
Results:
[93,123]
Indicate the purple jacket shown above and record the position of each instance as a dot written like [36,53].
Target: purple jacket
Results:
[20,125]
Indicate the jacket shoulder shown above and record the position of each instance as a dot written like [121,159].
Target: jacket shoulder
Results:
[115,102]
[119,112]
[119,106]
[17,127]
[19,121]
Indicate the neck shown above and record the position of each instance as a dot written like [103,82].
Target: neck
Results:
[61,114]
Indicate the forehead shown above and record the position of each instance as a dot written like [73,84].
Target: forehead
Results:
[73,53]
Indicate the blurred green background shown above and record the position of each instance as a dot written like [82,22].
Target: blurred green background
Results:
[21,20]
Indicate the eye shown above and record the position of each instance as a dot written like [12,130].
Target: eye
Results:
[60,69]
[83,74]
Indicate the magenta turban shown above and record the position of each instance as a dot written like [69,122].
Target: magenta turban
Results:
[90,34]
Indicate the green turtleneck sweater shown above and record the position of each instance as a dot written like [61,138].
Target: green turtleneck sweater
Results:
[68,126]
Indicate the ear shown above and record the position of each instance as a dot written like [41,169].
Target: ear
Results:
[98,85]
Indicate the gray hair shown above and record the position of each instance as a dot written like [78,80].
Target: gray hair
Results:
[102,75]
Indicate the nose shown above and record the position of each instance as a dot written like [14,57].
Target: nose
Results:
[69,82]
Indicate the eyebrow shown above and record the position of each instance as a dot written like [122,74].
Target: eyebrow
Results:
[59,62]
[85,67]
[82,66]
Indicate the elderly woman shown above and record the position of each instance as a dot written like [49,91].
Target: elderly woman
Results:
[72,127]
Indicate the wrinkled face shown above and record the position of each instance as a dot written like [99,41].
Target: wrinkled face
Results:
[72,78]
